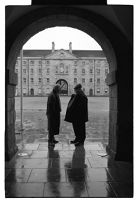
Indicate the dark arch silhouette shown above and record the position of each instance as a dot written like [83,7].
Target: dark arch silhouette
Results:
[116,44]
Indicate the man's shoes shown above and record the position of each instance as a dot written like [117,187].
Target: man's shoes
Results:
[55,141]
[79,144]
[73,141]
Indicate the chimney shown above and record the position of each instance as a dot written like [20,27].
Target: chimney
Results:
[70,47]
[53,46]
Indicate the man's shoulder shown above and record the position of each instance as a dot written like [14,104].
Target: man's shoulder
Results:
[51,95]
[82,95]
[73,95]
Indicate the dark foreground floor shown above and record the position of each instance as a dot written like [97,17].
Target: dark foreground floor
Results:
[66,171]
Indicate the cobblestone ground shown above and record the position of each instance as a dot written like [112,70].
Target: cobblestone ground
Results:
[35,120]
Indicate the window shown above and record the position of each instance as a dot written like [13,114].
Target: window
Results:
[83,71]
[98,90]
[47,62]
[66,69]
[40,70]
[91,79]
[91,70]
[24,71]
[40,79]
[48,70]
[16,70]
[24,80]
[40,62]
[32,62]
[75,70]
[91,61]
[83,80]
[75,80]
[75,63]
[48,80]
[98,63]
[32,70]
[39,91]
[83,63]
[98,80]
[98,71]
[56,69]
[106,91]
[24,62]
[24,92]
[106,71]
[17,62]
[32,80]
[62,68]
[62,54]
[106,64]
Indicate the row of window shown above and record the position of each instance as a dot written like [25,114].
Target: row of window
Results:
[48,80]
[31,71]
[61,70]
[98,90]
[32,62]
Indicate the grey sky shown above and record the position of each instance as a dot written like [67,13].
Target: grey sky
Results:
[62,36]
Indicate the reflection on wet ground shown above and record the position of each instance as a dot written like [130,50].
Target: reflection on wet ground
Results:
[67,171]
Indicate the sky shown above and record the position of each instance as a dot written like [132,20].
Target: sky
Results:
[61,36]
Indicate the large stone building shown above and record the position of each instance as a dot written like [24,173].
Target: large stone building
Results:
[41,69]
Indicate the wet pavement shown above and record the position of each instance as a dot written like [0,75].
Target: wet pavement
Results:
[67,171]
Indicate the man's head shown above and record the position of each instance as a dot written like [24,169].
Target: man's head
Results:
[56,88]
[78,87]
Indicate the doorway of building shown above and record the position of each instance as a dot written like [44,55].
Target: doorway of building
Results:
[64,87]
[32,92]
[91,92]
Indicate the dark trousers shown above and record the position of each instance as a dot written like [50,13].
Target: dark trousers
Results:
[50,137]
[79,130]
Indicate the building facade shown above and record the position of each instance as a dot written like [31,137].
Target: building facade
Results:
[42,69]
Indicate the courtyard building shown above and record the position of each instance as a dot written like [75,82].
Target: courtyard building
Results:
[42,69]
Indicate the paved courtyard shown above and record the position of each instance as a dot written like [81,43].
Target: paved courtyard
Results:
[35,120]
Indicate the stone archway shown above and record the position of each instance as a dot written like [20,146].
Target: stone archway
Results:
[90,23]
[61,20]
[64,87]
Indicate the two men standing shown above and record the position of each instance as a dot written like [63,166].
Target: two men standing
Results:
[76,113]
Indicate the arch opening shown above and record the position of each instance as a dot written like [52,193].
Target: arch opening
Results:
[64,87]
[62,20]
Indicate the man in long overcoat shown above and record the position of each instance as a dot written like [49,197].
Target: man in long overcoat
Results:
[53,113]
[77,114]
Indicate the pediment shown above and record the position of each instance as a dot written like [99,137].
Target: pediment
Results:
[61,54]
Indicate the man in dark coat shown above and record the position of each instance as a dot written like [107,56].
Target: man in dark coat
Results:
[77,114]
[53,114]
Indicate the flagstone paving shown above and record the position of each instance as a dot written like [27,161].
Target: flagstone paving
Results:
[67,171]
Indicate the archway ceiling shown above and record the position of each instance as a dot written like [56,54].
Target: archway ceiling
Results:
[14,12]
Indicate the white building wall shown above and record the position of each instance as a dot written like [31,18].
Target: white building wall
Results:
[48,71]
